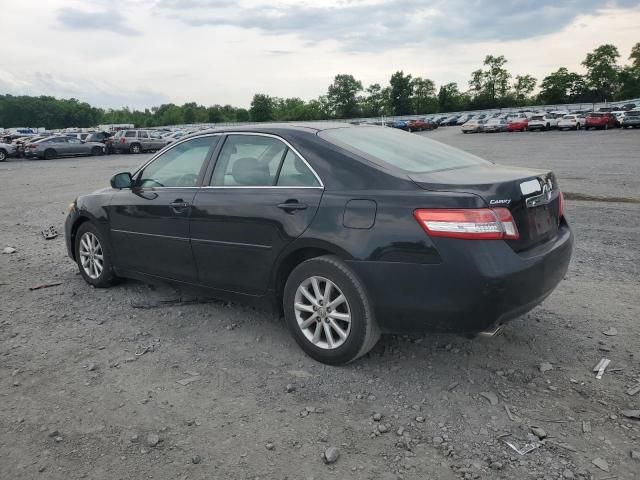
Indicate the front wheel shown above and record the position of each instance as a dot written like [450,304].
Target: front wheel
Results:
[50,154]
[3,156]
[328,311]
[96,151]
[93,256]
[606,126]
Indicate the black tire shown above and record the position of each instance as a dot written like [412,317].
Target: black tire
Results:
[96,151]
[3,155]
[606,126]
[50,154]
[106,277]
[577,126]
[135,148]
[364,331]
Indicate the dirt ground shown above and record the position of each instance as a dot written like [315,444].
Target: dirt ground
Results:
[140,382]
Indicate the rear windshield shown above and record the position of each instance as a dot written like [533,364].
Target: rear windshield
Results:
[632,114]
[408,152]
[537,117]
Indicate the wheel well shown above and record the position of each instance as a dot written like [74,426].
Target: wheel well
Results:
[74,230]
[292,261]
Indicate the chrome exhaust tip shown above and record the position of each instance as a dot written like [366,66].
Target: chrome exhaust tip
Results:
[493,332]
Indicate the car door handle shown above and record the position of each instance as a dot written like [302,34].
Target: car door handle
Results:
[179,205]
[291,206]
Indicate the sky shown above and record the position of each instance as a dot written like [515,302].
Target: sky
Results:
[141,53]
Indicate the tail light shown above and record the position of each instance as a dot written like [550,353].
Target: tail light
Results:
[560,205]
[467,223]
[32,145]
[122,140]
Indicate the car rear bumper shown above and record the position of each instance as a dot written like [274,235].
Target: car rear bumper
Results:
[477,286]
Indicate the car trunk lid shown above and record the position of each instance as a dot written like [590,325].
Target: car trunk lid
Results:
[532,196]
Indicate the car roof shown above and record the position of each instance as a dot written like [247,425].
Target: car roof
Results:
[311,127]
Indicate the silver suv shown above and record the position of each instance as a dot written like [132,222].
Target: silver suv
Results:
[137,141]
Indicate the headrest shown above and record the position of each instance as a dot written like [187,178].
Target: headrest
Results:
[248,171]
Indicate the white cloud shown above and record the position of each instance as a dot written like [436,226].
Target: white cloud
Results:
[147,52]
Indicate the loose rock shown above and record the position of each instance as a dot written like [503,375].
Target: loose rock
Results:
[331,455]
[153,439]
[492,397]
[539,432]
[610,332]
[290,388]
[196,459]
[545,367]
[377,417]
[9,250]
[635,454]
[601,464]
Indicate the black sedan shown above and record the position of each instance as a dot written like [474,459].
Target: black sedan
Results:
[350,231]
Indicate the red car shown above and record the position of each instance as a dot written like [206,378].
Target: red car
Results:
[600,120]
[419,125]
[518,125]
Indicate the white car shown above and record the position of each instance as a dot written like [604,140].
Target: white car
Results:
[473,126]
[543,122]
[6,150]
[572,122]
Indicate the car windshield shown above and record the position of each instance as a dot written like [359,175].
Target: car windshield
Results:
[411,153]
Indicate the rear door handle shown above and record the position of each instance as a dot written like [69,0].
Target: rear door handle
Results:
[292,205]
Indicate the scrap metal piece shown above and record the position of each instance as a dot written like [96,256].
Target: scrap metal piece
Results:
[529,447]
[49,233]
[601,367]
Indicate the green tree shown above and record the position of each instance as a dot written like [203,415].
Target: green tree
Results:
[262,108]
[342,95]
[560,86]
[523,87]
[424,95]
[376,101]
[490,86]
[602,71]
[449,98]
[629,77]
[400,93]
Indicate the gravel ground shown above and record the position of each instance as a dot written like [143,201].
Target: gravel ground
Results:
[92,387]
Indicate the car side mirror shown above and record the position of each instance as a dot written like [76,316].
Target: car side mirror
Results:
[122,180]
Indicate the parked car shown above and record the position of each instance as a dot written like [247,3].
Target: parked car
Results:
[420,125]
[315,222]
[451,121]
[80,136]
[473,126]
[7,150]
[600,120]
[462,119]
[137,141]
[571,122]
[61,146]
[400,124]
[495,125]
[519,124]
[542,122]
[631,119]
[173,136]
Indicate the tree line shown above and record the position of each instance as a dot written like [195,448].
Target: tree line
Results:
[491,86]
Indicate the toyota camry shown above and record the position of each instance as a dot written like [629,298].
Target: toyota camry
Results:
[349,231]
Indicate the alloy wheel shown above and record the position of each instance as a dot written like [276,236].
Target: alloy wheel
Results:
[91,255]
[322,313]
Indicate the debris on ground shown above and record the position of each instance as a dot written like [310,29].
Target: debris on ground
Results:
[9,250]
[331,455]
[610,332]
[529,447]
[539,432]
[634,414]
[545,367]
[492,397]
[45,285]
[49,233]
[633,390]
[586,427]
[601,464]
[196,459]
[600,367]
[290,388]
[635,454]
[186,381]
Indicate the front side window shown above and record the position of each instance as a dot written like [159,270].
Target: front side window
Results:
[143,135]
[388,147]
[179,166]
[249,160]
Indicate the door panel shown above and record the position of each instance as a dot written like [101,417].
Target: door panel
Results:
[237,233]
[149,235]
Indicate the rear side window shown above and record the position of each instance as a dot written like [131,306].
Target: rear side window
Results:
[388,147]
[295,173]
[130,134]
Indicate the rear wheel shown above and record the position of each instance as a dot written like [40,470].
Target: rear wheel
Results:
[93,256]
[50,154]
[3,155]
[135,148]
[328,311]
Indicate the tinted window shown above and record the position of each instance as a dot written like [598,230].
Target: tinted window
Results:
[179,166]
[130,134]
[390,147]
[143,135]
[248,160]
[73,140]
[295,173]
[60,140]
